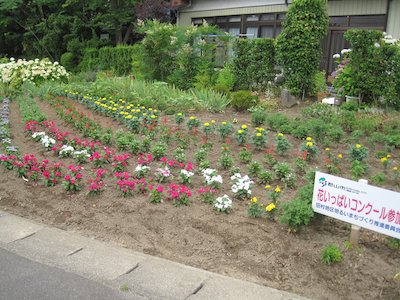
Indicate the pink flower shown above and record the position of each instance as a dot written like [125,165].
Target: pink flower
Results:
[160,189]
[67,177]
[78,176]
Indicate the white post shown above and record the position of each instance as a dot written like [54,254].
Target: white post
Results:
[355,230]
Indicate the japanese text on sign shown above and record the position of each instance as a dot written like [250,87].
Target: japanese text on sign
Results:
[357,203]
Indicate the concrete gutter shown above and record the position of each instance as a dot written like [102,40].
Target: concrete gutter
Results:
[114,266]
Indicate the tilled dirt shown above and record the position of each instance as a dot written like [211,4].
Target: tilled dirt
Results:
[258,250]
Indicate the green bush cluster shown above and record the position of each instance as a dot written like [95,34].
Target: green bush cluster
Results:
[298,212]
[243,100]
[184,56]
[299,44]
[254,62]
[370,70]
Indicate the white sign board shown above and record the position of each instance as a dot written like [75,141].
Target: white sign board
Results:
[357,203]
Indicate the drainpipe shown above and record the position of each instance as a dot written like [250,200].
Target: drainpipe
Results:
[387,14]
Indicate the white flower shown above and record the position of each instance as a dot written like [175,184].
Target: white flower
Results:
[344,51]
[377,45]
[336,56]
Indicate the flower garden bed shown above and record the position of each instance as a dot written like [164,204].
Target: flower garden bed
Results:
[164,210]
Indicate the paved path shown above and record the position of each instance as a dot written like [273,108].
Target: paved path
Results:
[56,264]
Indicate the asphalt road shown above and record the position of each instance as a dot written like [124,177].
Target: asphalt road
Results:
[21,278]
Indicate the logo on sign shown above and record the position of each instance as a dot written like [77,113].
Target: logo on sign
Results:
[323,182]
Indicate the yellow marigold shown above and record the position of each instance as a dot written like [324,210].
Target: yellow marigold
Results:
[260,129]
[309,138]
[206,124]
[234,121]
[327,149]
[223,123]
[280,134]
[240,131]
[340,156]
[277,189]
[179,114]
[244,126]
[309,144]
[267,186]
[192,118]
[153,116]
[270,207]
[150,109]
[144,114]
[383,159]
[388,156]
[395,168]
[254,200]
[213,121]
[258,134]
[358,146]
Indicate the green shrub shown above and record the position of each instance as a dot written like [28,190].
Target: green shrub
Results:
[331,254]
[298,212]
[299,44]
[253,64]
[90,60]
[378,178]
[277,120]
[349,106]
[258,117]
[393,242]
[225,80]
[319,83]
[117,59]
[243,100]
[69,61]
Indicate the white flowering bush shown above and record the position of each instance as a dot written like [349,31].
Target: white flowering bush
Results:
[241,186]
[44,139]
[15,72]
[186,176]
[81,155]
[211,178]
[141,171]
[223,204]
[66,151]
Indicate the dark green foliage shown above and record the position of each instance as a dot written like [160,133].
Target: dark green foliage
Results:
[277,120]
[117,59]
[298,46]
[391,79]
[90,60]
[46,28]
[365,66]
[298,212]
[243,100]
[69,61]
[254,63]
[258,117]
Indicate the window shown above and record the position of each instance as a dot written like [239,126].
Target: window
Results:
[252,18]
[267,31]
[235,19]
[252,32]
[234,30]
[252,26]
[268,17]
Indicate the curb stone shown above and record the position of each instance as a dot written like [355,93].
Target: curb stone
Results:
[115,266]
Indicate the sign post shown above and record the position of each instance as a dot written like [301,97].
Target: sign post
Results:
[357,203]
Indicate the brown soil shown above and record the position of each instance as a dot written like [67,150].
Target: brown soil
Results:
[257,250]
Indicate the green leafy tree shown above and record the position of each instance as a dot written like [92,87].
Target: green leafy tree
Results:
[298,45]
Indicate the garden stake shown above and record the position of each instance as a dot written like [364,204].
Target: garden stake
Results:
[355,230]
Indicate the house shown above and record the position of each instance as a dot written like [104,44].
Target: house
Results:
[263,18]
